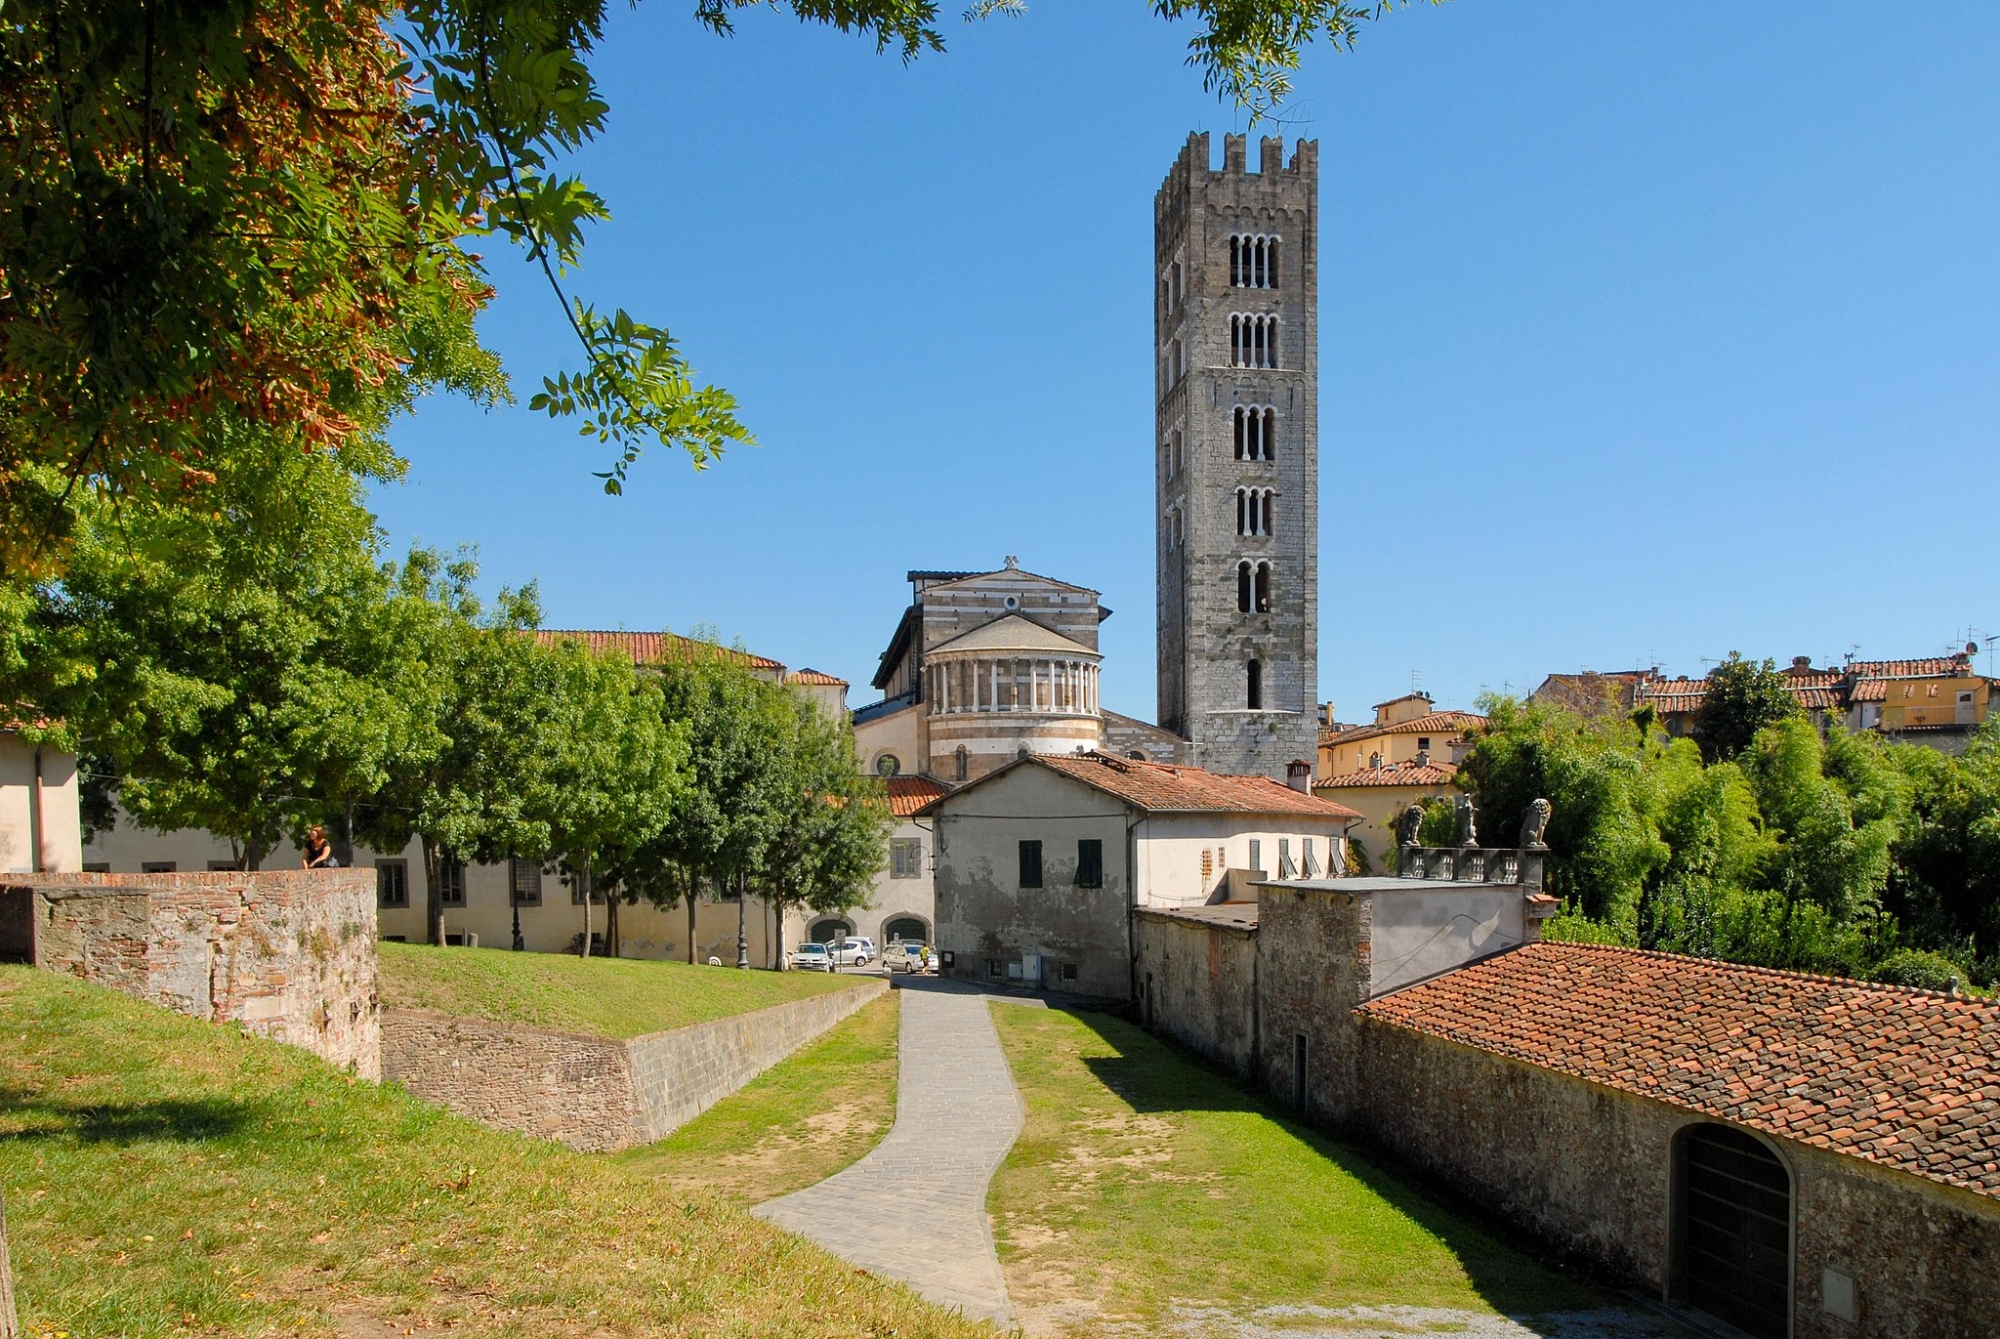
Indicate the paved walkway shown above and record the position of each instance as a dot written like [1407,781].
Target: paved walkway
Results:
[915,1208]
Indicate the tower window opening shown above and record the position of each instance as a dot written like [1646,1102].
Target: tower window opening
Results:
[1267,431]
[1253,261]
[1262,596]
[1253,341]
[1255,684]
[1264,521]
[1243,584]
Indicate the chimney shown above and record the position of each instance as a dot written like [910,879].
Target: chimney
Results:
[1298,775]
[1424,758]
[1801,664]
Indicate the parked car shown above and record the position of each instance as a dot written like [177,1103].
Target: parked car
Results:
[853,953]
[905,958]
[812,958]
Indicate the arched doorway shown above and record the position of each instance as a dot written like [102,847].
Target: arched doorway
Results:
[909,929]
[1733,1229]
[826,932]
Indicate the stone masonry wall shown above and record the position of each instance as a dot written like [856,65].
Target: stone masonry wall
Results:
[1196,983]
[594,1093]
[1590,1169]
[1314,963]
[289,954]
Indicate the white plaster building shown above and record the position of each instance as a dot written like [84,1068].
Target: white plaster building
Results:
[39,827]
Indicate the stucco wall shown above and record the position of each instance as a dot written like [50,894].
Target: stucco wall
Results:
[290,955]
[984,915]
[1196,983]
[1170,848]
[57,820]
[594,1093]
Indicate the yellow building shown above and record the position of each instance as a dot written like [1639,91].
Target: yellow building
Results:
[1405,729]
[1379,794]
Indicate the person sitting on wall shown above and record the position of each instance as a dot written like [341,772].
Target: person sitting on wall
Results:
[319,851]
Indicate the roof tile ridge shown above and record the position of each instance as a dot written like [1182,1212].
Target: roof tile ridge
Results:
[1854,983]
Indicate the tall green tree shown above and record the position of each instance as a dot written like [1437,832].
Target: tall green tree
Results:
[829,836]
[614,769]
[1740,698]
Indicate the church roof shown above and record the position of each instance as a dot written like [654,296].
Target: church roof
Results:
[1014,633]
[653,648]
[1165,788]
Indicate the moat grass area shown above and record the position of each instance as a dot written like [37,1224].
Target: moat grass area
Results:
[165,1177]
[606,997]
[799,1122]
[1143,1182]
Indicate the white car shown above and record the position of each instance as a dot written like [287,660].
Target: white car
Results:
[852,953]
[812,958]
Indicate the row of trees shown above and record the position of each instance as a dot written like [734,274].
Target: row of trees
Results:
[250,675]
[1779,842]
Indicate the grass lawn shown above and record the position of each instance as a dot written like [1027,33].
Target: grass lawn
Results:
[1142,1180]
[169,1177]
[606,997]
[796,1124]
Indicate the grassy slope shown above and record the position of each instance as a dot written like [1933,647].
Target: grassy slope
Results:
[165,1176]
[1142,1179]
[798,1123]
[608,997]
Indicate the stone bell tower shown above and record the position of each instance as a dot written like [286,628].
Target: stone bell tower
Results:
[1236,350]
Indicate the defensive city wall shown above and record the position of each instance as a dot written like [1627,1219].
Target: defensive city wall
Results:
[1617,1104]
[594,1093]
[289,954]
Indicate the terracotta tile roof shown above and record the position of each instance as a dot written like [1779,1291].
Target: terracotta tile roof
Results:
[1871,690]
[652,648]
[817,677]
[907,794]
[1673,695]
[1164,788]
[1432,723]
[1933,667]
[1393,774]
[1906,1078]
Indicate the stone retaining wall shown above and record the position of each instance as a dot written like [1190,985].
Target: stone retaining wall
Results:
[594,1093]
[289,954]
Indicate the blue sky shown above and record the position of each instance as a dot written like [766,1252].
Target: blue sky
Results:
[1647,333]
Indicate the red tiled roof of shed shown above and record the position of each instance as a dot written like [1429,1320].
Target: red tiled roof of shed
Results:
[1164,787]
[653,648]
[1906,1078]
[818,678]
[907,794]
[1393,774]
[1931,667]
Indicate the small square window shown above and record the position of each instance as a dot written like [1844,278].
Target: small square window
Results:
[1423,744]
[906,858]
[392,883]
[1069,971]
[221,866]
[97,867]
[158,866]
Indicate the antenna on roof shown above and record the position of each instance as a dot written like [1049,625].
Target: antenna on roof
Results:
[1416,681]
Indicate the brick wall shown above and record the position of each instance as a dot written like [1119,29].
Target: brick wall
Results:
[594,1093]
[289,954]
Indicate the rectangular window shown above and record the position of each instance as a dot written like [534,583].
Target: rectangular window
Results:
[578,882]
[158,866]
[1207,865]
[1309,867]
[1286,869]
[906,858]
[1090,863]
[993,966]
[97,867]
[451,881]
[1069,971]
[1031,864]
[1257,855]
[220,866]
[525,878]
[392,883]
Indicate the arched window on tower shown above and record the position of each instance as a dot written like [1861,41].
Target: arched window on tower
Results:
[1254,699]
[961,763]
[1264,519]
[1243,584]
[1267,433]
[1262,595]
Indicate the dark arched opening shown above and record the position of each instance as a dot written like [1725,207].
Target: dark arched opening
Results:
[907,929]
[1256,685]
[1732,1229]
[826,932]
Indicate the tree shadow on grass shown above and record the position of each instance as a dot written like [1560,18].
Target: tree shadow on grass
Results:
[1153,1076]
[170,1121]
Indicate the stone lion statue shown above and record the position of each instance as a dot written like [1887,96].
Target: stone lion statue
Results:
[1407,824]
[1465,821]
[1534,825]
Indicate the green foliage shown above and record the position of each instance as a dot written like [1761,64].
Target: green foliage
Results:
[1915,967]
[1816,854]
[1741,697]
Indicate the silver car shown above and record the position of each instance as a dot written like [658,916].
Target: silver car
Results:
[812,958]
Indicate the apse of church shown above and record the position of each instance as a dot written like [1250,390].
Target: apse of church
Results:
[1237,453]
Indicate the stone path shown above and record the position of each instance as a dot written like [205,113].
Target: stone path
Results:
[915,1208]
